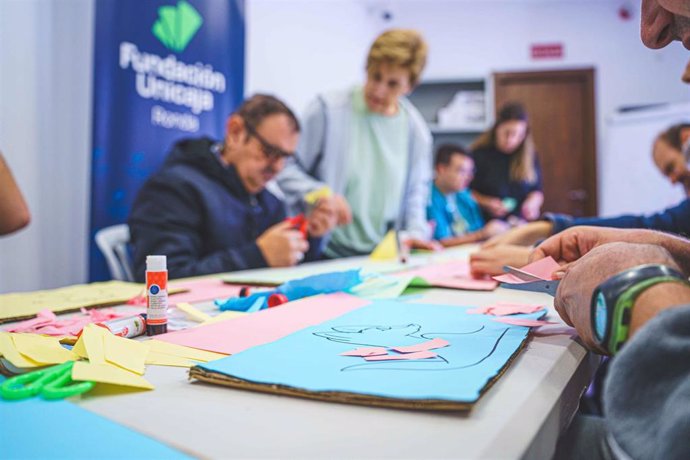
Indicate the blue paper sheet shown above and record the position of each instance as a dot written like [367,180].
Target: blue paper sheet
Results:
[310,359]
[35,428]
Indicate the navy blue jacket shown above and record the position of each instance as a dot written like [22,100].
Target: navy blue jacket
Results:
[196,211]
[673,220]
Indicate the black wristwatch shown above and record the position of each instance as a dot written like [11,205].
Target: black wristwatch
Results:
[612,301]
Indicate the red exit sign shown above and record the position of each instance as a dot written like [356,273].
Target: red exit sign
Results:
[547,51]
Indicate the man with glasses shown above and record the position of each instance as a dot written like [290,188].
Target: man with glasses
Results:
[208,210]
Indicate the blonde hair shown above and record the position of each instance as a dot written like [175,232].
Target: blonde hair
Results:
[522,160]
[405,48]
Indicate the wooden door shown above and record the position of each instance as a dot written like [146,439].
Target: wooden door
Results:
[560,105]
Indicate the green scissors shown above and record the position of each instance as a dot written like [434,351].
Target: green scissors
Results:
[53,382]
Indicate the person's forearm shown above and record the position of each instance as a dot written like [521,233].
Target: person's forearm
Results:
[473,237]
[656,299]
[481,198]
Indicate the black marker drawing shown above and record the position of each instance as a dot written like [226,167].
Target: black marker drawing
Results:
[467,349]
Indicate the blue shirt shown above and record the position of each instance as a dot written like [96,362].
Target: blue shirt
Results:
[454,214]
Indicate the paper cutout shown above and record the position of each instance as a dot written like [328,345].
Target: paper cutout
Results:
[47,323]
[424,346]
[406,356]
[92,337]
[315,195]
[41,349]
[25,304]
[523,322]
[126,353]
[453,275]
[542,268]
[107,373]
[382,287]
[506,308]
[10,353]
[193,313]
[387,249]
[266,325]
[479,350]
[366,351]
[185,352]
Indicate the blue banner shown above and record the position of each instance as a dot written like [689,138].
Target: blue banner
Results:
[164,70]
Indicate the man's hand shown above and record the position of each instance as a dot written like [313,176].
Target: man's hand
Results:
[524,235]
[574,295]
[282,245]
[491,261]
[494,227]
[342,209]
[494,206]
[427,245]
[322,218]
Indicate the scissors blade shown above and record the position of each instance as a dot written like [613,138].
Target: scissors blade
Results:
[546,286]
[523,275]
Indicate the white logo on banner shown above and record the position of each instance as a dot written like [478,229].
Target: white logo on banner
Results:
[173,81]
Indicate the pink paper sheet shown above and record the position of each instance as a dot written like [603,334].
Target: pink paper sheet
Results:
[542,268]
[523,322]
[452,275]
[197,291]
[407,356]
[424,346]
[506,308]
[47,323]
[365,351]
[265,326]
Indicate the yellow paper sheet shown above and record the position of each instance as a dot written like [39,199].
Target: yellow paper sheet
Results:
[387,248]
[41,349]
[126,353]
[79,349]
[193,313]
[226,315]
[67,298]
[184,352]
[108,373]
[10,353]
[161,359]
[93,337]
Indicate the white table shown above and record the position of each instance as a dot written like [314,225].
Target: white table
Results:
[520,416]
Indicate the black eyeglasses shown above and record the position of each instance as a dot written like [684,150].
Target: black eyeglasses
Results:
[272,152]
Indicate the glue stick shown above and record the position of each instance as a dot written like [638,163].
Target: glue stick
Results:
[156,295]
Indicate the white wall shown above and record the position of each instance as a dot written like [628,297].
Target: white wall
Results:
[45,132]
[295,49]
[468,38]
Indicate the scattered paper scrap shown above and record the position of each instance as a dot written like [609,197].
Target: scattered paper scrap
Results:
[161,359]
[41,349]
[387,249]
[424,346]
[524,322]
[126,353]
[405,356]
[451,275]
[182,351]
[193,313]
[10,353]
[47,323]
[505,308]
[366,351]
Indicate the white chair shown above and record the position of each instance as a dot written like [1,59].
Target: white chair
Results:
[112,241]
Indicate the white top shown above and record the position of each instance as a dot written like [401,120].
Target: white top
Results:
[156,264]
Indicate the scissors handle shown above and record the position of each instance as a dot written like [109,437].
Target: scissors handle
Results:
[51,383]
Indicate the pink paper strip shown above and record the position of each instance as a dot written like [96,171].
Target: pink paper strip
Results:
[48,324]
[503,309]
[230,337]
[407,356]
[452,275]
[542,268]
[424,346]
[366,351]
[523,322]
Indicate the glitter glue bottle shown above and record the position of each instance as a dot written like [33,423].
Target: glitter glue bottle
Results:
[156,295]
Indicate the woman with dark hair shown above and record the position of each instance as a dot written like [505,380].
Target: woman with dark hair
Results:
[507,180]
